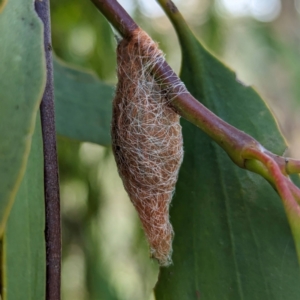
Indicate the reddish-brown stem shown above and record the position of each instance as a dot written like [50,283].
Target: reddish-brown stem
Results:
[277,176]
[227,136]
[232,140]
[279,180]
[287,166]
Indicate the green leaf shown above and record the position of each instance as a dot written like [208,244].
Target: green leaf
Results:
[81,223]
[22,81]
[23,263]
[97,282]
[82,104]
[232,238]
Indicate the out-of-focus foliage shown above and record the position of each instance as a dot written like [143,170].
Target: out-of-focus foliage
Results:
[81,95]
[103,248]
[82,36]
[262,52]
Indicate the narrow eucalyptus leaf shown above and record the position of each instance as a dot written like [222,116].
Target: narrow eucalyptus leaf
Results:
[232,238]
[24,252]
[22,81]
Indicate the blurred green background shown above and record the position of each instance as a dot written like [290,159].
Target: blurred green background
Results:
[105,254]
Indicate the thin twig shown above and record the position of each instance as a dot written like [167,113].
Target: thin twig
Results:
[51,184]
[232,140]
[183,103]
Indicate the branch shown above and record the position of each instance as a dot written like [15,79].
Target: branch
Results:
[232,140]
[51,185]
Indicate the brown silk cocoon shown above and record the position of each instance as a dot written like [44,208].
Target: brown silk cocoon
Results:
[147,139]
